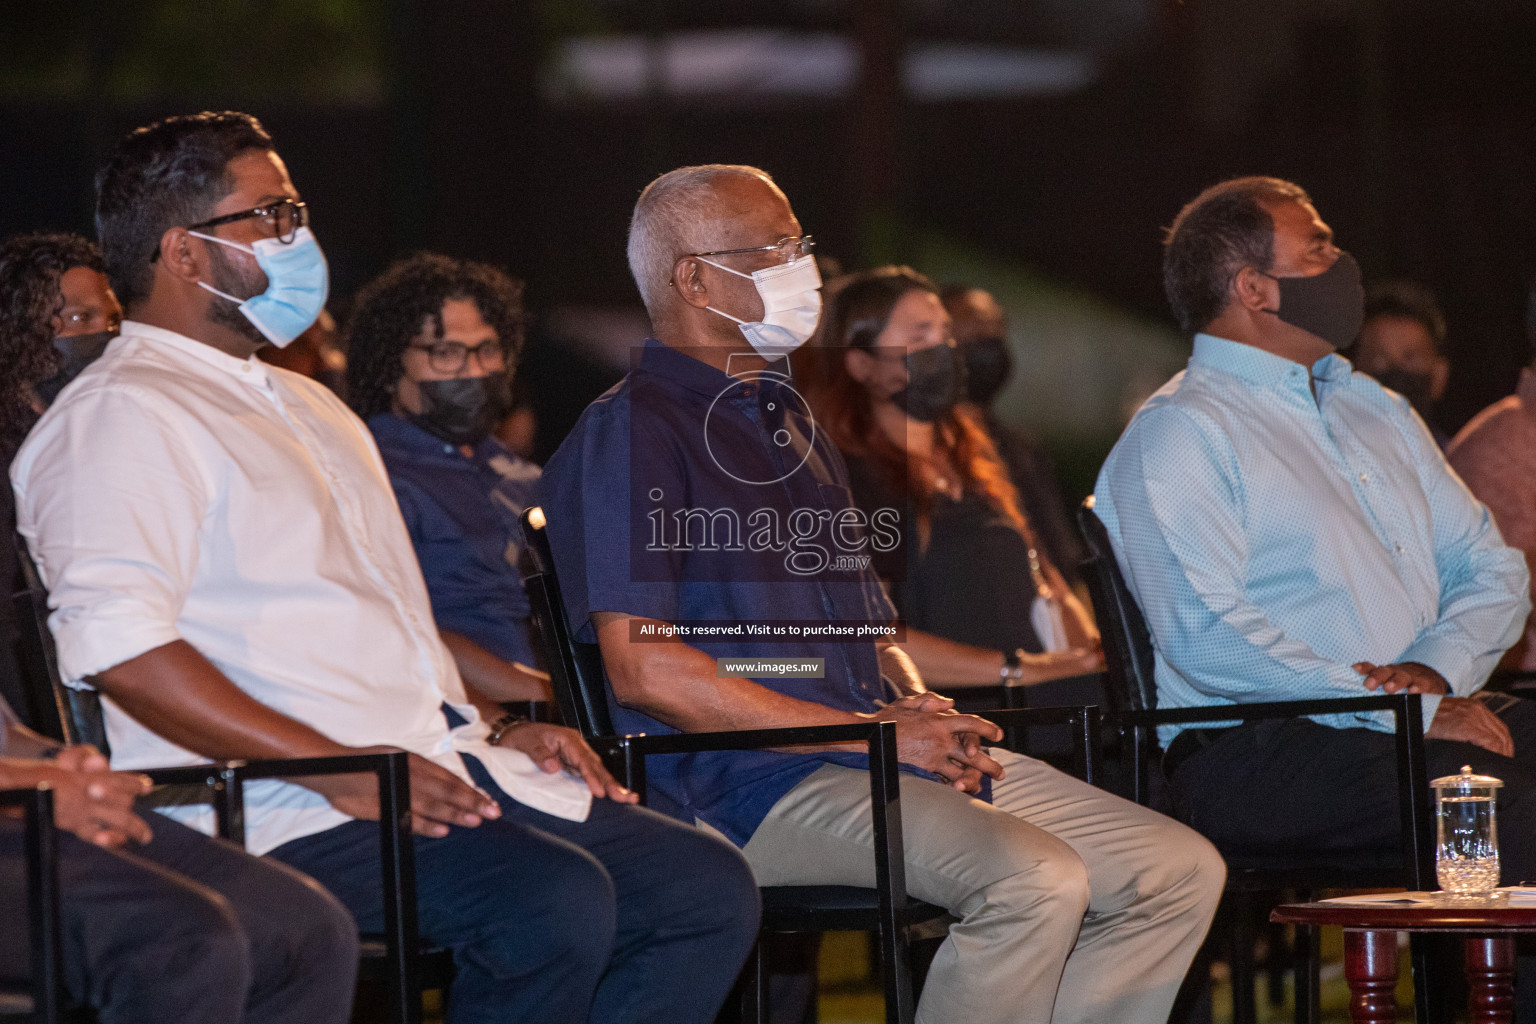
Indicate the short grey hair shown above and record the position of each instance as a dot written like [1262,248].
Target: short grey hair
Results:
[674,215]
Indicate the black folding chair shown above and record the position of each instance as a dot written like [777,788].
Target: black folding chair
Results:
[1130,660]
[576,672]
[396,961]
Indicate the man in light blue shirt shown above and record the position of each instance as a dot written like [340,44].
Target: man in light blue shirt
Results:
[1291,531]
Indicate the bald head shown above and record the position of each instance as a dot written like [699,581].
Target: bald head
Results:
[699,209]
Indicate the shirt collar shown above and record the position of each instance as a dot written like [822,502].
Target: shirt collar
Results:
[396,433]
[1265,369]
[249,368]
[679,367]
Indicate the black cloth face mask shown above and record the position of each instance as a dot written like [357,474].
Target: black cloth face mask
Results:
[1330,305]
[463,410]
[935,383]
[988,364]
[76,352]
[1417,387]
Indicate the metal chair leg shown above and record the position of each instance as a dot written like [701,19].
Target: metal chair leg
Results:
[1307,962]
[1244,1010]
[754,987]
[1280,959]
[1431,998]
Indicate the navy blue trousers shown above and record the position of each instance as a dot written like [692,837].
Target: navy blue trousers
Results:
[628,917]
[187,929]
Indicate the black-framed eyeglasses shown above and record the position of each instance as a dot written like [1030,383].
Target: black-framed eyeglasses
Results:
[453,356]
[786,250]
[283,218]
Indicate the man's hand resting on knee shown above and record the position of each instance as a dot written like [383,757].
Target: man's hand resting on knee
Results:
[439,798]
[933,736]
[1468,720]
[555,747]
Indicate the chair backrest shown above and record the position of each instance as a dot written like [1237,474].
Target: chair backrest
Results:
[575,667]
[1127,642]
[53,709]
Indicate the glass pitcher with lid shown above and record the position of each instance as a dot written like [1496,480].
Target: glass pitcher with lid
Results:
[1466,833]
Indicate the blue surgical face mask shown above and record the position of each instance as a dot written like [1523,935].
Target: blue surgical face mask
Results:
[298,283]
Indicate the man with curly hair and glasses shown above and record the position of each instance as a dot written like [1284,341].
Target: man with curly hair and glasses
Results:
[433,345]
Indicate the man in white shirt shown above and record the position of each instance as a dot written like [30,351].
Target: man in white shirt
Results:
[228,566]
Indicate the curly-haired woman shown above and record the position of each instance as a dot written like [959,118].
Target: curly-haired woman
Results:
[981,602]
[57,313]
[432,344]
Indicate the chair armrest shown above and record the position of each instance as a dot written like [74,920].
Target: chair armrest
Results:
[226,780]
[884,786]
[1398,703]
[213,775]
[626,755]
[740,739]
[1083,718]
[392,770]
[397,848]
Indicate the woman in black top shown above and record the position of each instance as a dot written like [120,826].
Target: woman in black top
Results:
[981,604]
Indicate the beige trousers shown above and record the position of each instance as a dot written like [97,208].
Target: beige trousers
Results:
[1074,905]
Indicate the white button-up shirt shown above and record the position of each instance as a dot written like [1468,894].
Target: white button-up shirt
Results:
[174,492]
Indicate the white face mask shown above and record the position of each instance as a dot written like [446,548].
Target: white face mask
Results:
[791,294]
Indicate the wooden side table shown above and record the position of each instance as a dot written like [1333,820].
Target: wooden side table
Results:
[1370,949]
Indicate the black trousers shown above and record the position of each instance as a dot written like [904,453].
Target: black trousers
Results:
[627,917]
[188,929]
[1291,783]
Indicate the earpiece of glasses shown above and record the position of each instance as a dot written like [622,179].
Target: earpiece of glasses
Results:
[787,249]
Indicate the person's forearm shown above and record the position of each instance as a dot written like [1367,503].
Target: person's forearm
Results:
[897,666]
[943,662]
[19,772]
[21,742]
[1081,629]
[178,694]
[675,683]
[496,678]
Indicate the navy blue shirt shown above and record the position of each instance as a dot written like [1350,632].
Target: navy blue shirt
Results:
[462,514]
[690,496]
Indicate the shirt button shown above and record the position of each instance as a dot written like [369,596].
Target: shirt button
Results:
[1364,478]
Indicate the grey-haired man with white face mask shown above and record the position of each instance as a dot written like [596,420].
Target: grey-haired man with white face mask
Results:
[698,493]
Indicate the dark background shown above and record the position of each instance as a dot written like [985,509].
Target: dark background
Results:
[409,124]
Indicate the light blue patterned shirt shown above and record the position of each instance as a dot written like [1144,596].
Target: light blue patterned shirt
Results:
[1273,539]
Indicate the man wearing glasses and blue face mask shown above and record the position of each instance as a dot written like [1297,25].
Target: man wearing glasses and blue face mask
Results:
[228,566]
[1073,905]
